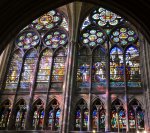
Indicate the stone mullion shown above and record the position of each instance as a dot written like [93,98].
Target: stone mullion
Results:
[145,53]
[126,91]
[5,64]
[90,95]
[28,119]
[53,119]
[11,118]
[107,114]
[72,88]
[98,119]
[46,109]
[67,89]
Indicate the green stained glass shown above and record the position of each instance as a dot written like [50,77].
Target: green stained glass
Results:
[123,36]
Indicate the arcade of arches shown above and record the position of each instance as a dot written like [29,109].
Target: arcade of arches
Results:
[79,67]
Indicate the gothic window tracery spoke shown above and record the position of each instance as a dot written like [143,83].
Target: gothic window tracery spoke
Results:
[5,114]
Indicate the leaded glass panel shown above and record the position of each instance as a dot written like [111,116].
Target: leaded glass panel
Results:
[27,39]
[5,114]
[116,68]
[47,21]
[58,70]
[44,70]
[55,38]
[14,70]
[83,70]
[27,75]
[123,36]
[99,69]
[103,17]
[133,74]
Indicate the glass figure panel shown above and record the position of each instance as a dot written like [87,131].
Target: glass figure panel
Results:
[99,70]
[14,70]
[27,75]
[133,73]
[116,68]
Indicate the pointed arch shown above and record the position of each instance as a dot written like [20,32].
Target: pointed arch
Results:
[98,115]
[136,115]
[133,72]
[118,115]
[98,69]
[5,113]
[58,69]
[14,70]
[38,114]
[29,67]
[44,69]
[53,115]
[20,114]
[116,67]
[83,68]
[81,116]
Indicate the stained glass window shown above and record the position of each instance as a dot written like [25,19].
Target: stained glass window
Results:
[4,114]
[104,17]
[55,38]
[54,116]
[98,116]
[44,70]
[99,69]
[38,115]
[116,68]
[118,116]
[136,115]
[27,75]
[92,36]
[58,70]
[14,70]
[27,39]
[115,35]
[123,36]
[20,115]
[81,116]
[83,70]
[133,73]
[47,21]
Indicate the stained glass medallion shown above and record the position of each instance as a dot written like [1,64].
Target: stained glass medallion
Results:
[123,36]
[27,39]
[47,21]
[92,36]
[104,17]
[55,38]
